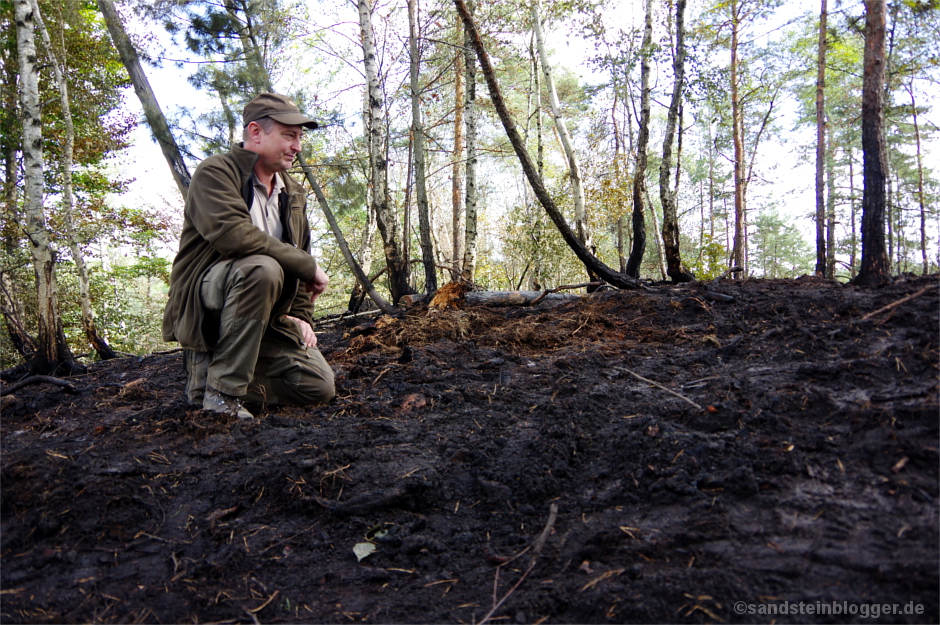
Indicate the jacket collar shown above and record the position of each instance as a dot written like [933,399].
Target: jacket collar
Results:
[245,159]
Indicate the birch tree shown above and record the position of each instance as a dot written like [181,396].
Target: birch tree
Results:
[378,163]
[591,262]
[470,176]
[639,171]
[52,350]
[674,266]
[89,325]
[457,158]
[574,167]
[420,173]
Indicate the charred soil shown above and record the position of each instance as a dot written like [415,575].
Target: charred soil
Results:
[779,450]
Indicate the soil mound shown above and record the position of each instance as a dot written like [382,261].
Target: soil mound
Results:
[734,452]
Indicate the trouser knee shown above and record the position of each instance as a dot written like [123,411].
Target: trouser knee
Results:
[248,287]
[292,376]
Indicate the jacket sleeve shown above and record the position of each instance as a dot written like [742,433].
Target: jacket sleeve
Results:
[301,307]
[218,212]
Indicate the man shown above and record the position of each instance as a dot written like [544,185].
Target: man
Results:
[243,282]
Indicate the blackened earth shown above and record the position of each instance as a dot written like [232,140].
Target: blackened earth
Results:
[784,463]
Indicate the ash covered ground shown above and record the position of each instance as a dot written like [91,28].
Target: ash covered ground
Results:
[643,456]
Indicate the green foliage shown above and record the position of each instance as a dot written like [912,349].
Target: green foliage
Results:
[709,261]
[778,248]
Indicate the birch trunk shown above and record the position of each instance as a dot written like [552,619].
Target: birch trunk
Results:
[590,261]
[98,343]
[535,232]
[378,163]
[470,177]
[874,266]
[456,178]
[821,144]
[251,48]
[574,167]
[152,111]
[417,130]
[639,173]
[52,353]
[667,195]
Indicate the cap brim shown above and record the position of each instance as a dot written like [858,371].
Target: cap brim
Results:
[295,119]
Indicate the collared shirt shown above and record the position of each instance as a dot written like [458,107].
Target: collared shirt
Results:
[265,211]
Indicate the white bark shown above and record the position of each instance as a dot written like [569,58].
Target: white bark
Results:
[34,217]
[417,131]
[456,178]
[470,179]
[574,168]
[388,227]
[84,288]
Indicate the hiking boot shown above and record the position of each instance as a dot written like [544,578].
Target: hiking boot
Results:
[217,401]
[196,365]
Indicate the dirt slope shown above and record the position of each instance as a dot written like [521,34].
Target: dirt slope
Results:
[791,457]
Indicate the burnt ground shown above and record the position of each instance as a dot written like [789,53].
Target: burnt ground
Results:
[807,473]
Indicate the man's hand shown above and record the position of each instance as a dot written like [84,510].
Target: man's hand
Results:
[310,337]
[317,284]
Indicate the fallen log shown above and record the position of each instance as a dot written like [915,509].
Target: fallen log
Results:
[500,298]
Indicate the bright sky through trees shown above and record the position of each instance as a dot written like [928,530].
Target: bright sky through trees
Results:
[783,162]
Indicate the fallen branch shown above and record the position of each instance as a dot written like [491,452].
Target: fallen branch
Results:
[37,379]
[563,287]
[500,298]
[659,386]
[900,301]
[536,549]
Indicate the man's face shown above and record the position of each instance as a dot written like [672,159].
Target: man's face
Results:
[277,148]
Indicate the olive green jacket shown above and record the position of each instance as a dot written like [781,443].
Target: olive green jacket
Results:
[217,226]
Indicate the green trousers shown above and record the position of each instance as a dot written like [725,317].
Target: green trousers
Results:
[250,360]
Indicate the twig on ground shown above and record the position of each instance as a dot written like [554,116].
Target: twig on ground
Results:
[38,379]
[900,301]
[536,549]
[659,386]
[167,352]
[265,604]
[564,287]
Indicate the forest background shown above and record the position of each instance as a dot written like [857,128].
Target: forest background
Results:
[453,184]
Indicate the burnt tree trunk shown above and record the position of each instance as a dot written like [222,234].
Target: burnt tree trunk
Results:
[668,195]
[874,266]
[639,173]
[821,263]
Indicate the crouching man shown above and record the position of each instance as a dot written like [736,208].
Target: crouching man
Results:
[243,283]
